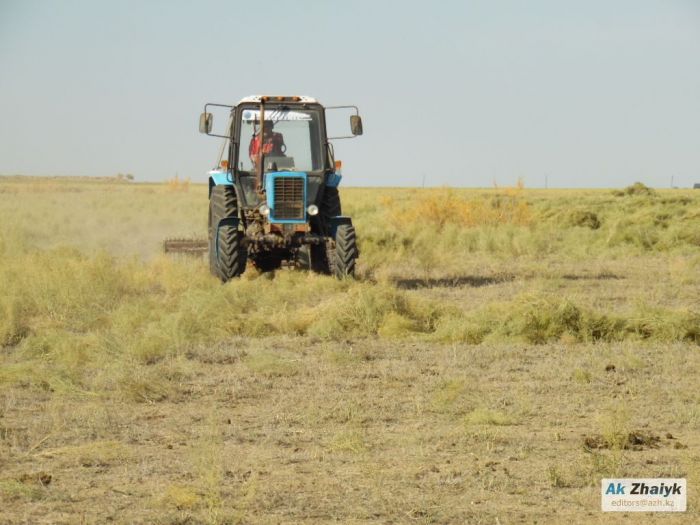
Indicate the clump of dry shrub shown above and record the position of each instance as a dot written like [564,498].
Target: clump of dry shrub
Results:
[176,184]
[584,219]
[439,208]
[368,309]
[638,188]
[538,320]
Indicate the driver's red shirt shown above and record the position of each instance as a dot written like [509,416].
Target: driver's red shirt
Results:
[272,145]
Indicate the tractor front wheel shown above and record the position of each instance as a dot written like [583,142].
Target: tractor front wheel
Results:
[345,254]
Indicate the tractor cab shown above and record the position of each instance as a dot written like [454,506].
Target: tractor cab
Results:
[283,145]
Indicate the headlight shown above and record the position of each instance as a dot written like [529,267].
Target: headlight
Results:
[312,209]
[264,209]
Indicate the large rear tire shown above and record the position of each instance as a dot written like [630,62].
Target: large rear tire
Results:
[213,267]
[227,260]
[345,254]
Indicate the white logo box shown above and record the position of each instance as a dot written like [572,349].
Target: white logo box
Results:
[644,494]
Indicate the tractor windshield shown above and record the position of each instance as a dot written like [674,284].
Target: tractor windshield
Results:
[288,140]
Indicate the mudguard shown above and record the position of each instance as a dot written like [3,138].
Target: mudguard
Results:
[337,221]
[219,178]
[333,180]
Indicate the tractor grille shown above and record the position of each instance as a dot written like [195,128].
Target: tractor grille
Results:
[289,198]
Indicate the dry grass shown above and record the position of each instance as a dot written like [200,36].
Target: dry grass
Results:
[491,335]
[439,208]
[178,184]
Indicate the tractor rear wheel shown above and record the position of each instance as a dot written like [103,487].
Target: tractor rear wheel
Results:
[213,269]
[227,258]
[345,254]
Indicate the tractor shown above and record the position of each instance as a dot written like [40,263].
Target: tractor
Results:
[273,196]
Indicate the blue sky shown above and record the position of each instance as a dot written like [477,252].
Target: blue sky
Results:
[589,93]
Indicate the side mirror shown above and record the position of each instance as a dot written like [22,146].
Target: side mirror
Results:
[356,124]
[206,120]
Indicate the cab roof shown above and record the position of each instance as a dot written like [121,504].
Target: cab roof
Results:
[270,98]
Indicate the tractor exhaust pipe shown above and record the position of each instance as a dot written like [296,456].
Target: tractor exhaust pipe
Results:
[261,137]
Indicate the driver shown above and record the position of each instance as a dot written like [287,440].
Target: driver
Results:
[272,143]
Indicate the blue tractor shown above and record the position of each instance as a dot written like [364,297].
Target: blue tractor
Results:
[273,197]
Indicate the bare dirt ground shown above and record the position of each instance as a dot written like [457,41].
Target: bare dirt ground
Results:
[294,430]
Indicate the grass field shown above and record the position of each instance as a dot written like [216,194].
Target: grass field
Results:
[500,352]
